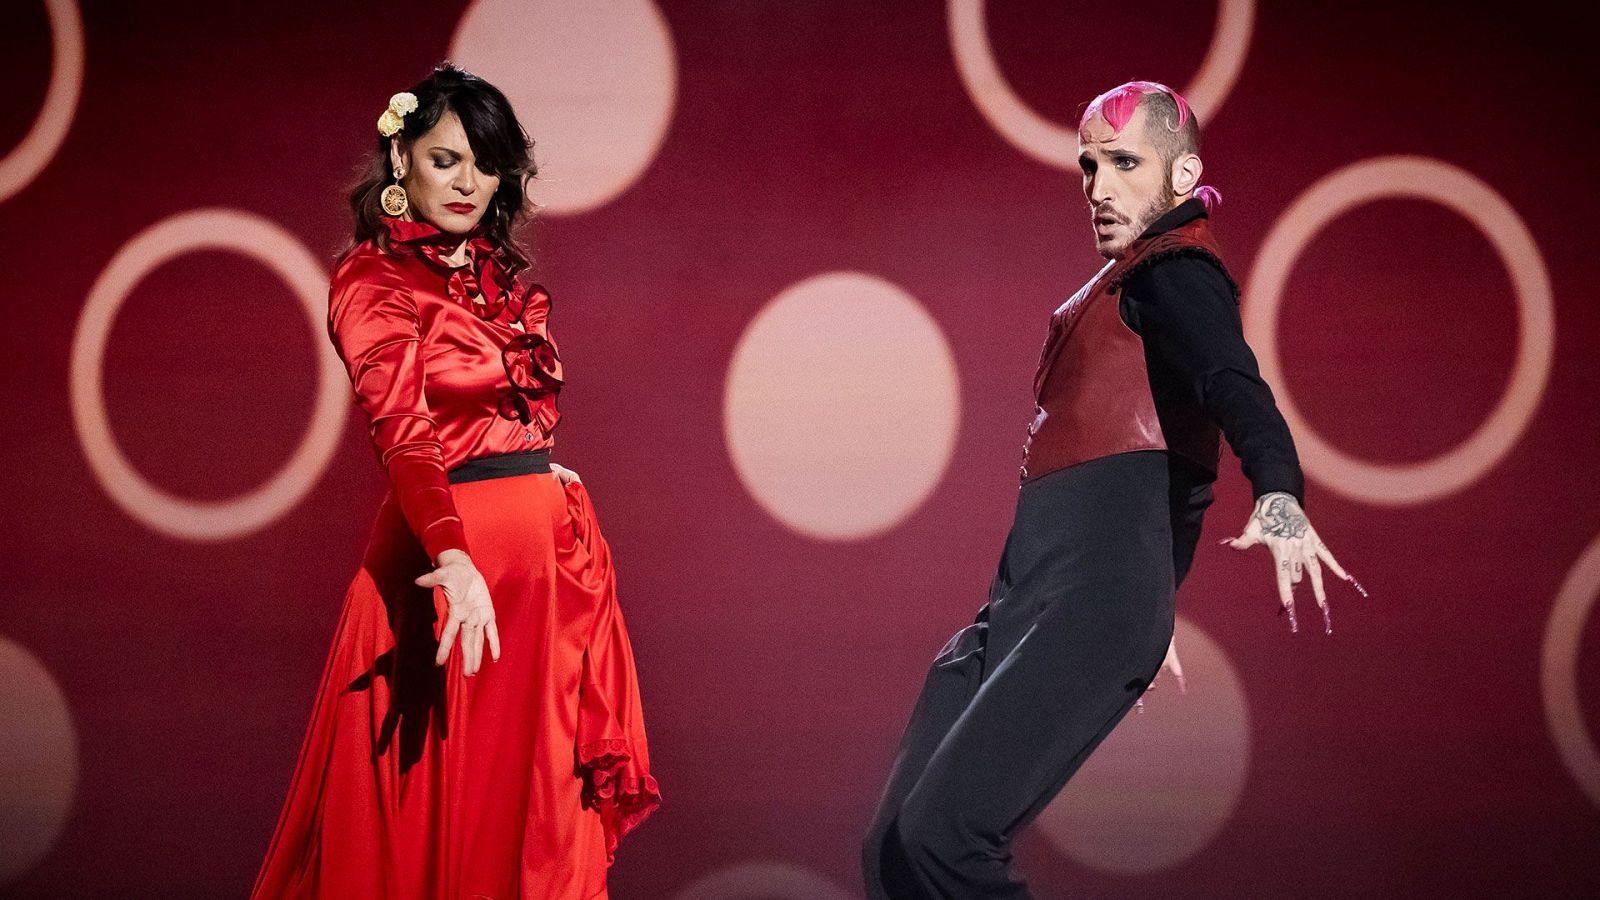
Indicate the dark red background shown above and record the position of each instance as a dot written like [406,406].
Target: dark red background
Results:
[1405,756]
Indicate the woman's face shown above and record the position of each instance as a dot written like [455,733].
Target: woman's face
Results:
[443,183]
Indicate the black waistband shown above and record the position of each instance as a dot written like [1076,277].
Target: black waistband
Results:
[501,465]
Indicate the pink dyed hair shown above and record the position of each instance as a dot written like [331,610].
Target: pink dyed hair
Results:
[1117,106]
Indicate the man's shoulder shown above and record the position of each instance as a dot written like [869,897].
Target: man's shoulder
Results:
[1181,267]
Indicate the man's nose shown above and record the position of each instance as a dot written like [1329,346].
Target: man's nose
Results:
[1098,188]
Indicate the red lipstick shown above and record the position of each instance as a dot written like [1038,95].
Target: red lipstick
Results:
[462,208]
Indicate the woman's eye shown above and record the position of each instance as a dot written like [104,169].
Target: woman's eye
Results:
[442,164]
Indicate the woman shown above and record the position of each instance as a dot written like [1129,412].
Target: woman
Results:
[430,770]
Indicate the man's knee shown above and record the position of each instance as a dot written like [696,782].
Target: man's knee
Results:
[929,835]
[885,869]
[872,845]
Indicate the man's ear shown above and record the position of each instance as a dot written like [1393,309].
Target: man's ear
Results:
[1186,172]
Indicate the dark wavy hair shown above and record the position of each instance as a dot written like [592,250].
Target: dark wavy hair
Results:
[498,140]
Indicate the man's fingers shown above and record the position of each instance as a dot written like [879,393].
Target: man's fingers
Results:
[1322,594]
[446,640]
[1326,556]
[1315,568]
[1176,666]
[492,632]
[1286,594]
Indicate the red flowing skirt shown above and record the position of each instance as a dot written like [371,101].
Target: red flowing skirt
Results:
[417,782]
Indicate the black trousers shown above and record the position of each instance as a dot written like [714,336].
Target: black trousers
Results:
[1077,624]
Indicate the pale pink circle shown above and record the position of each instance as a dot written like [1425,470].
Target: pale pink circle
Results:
[205,229]
[38,761]
[763,880]
[841,406]
[594,83]
[1558,671]
[1051,142]
[1457,190]
[39,145]
[1166,780]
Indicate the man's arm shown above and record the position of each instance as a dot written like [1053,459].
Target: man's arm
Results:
[1185,311]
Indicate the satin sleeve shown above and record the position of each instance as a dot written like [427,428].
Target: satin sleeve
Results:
[374,325]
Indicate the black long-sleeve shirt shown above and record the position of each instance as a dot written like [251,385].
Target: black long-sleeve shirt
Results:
[1185,310]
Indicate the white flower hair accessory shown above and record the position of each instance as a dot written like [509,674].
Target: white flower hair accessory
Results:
[393,118]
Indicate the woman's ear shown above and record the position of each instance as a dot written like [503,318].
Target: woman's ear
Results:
[397,160]
[1186,172]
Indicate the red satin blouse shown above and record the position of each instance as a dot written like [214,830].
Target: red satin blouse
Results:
[448,362]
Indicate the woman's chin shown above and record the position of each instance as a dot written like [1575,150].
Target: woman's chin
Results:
[452,222]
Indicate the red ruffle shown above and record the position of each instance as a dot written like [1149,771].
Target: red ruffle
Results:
[533,366]
[617,788]
[612,753]
[482,285]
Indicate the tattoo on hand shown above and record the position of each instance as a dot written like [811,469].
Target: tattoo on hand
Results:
[1280,516]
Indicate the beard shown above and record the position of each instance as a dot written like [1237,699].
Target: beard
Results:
[1158,206]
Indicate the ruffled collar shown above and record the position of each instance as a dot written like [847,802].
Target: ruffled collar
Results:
[481,285]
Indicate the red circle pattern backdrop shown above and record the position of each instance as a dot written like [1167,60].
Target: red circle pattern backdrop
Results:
[803,255]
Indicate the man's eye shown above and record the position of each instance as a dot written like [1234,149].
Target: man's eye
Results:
[1126,162]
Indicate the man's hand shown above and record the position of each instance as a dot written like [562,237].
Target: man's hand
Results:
[1170,664]
[1278,522]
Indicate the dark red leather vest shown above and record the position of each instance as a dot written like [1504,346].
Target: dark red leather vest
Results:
[1093,391]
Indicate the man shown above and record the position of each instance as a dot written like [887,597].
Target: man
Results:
[1141,368]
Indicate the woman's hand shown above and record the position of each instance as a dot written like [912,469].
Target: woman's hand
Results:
[566,475]
[1278,522]
[471,612]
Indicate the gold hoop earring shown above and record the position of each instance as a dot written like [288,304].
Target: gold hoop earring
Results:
[393,199]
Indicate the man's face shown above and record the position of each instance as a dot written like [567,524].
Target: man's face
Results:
[1124,181]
